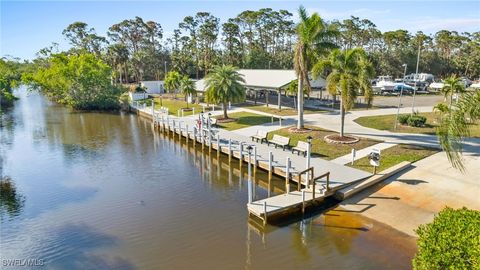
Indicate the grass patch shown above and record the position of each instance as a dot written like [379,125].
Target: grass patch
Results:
[394,155]
[245,119]
[386,122]
[285,111]
[174,105]
[320,148]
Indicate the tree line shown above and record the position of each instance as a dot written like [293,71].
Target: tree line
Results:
[137,49]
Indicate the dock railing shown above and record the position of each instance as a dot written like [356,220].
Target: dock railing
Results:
[314,180]
[309,174]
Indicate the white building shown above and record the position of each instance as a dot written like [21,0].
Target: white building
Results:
[153,87]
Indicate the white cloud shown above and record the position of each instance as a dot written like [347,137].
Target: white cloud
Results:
[339,15]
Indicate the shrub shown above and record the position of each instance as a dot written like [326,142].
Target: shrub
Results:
[451,241]
[81,81]
[416,120]
[403,118]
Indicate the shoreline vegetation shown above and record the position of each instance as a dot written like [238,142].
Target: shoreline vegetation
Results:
[81,82]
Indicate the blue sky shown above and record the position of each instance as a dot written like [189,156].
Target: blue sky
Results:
[26,27]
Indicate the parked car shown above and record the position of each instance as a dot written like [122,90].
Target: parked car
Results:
[406,89]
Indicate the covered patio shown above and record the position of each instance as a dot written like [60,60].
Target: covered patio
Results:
[261,83]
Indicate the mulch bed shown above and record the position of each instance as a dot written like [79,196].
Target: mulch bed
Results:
[337,139]
[299,130]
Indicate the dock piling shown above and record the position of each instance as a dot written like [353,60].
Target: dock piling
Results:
[180,131]
[270,167]
[229,150]
[264,213]
[241,154]
[255,160]
[303,201]
[287,176]
[219,149]
[194,135]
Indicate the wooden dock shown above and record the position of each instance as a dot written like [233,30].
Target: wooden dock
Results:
[304,186]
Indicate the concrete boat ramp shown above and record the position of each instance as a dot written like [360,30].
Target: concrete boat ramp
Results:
[304,186]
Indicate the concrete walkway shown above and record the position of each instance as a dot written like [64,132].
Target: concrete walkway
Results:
[331,121]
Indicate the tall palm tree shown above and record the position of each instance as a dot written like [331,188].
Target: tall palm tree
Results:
[172,81]
[314,39]
[224,84]
[187,87]
[350,73]
[452,85]
[454,126]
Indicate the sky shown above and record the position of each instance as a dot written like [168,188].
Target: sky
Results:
[28,26]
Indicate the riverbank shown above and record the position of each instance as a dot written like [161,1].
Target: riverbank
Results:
[412,198]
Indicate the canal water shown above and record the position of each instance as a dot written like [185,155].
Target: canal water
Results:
[105,191]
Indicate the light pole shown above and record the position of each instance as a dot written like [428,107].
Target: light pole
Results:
[416,78]
[165,65]
[309,151]
[250,187]
[400,99]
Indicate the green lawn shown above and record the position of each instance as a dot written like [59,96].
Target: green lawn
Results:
[283,112]
[320,148]
[386,122]
[245,119]
[394,155]
[174,105]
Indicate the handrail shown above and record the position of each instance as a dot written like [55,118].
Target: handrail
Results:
[327,174]
[300,177]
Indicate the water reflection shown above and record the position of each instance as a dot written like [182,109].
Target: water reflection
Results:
[11,201]
[108,191]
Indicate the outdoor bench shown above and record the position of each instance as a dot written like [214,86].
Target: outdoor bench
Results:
[278,140]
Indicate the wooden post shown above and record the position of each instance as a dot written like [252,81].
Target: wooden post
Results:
[270,167]
[219,149]
[186,133]
[209,141]
[303,201]
[353,155]
[313,191]
[241,153]
[328,181]
[264,213]
[202,139]
[194,135]
[229,150]
[180,131]
[287,176]
[255,160]
[173,127]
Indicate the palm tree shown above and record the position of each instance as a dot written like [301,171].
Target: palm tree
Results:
[224,84]
[187,87]
[314,38]
[350,72]
[172,81]
[452,85]
[454,126]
